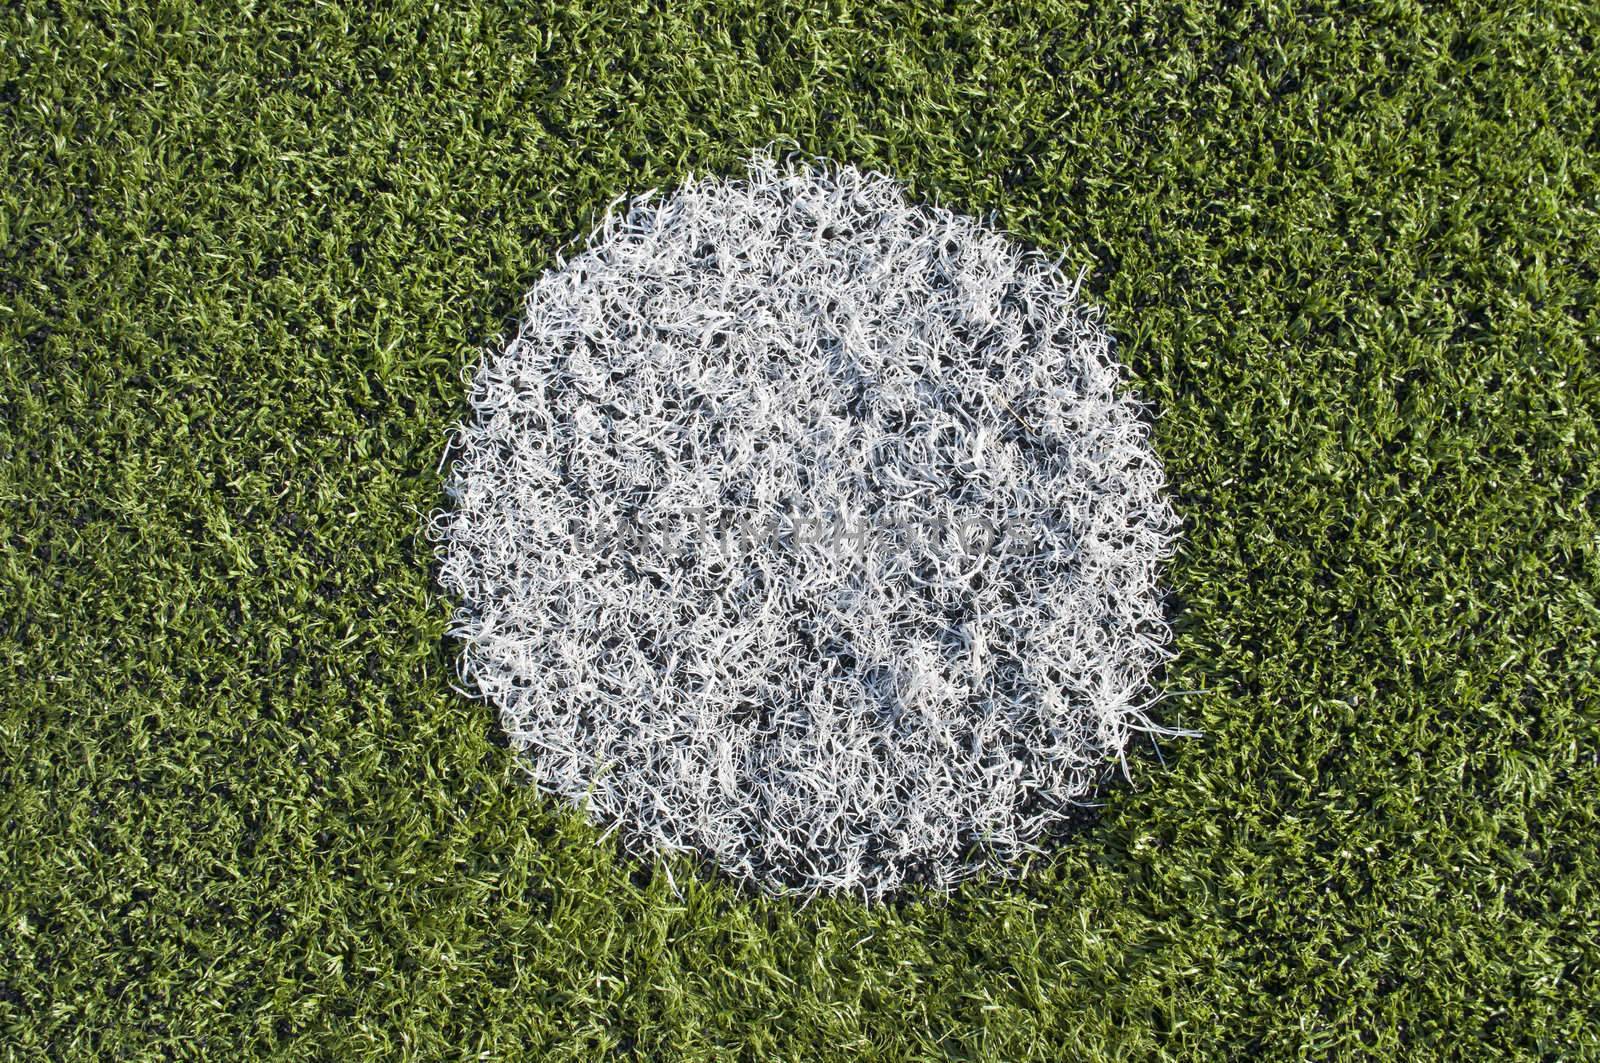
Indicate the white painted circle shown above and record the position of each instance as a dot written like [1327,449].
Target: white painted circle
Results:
[919,684]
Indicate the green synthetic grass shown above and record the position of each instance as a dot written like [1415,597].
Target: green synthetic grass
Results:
[247,256]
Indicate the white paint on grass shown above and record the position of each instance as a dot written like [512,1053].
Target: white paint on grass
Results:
[810,530]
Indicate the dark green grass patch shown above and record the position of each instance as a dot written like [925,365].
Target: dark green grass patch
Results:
[245,256]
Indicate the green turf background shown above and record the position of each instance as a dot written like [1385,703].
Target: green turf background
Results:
[247,255]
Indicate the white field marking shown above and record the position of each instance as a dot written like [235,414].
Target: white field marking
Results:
[830,715]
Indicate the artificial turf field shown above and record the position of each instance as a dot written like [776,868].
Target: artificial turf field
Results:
[247,257]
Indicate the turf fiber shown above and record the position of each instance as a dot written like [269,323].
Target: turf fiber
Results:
[248,252]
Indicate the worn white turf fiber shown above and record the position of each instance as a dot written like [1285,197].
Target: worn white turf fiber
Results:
[810,530]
